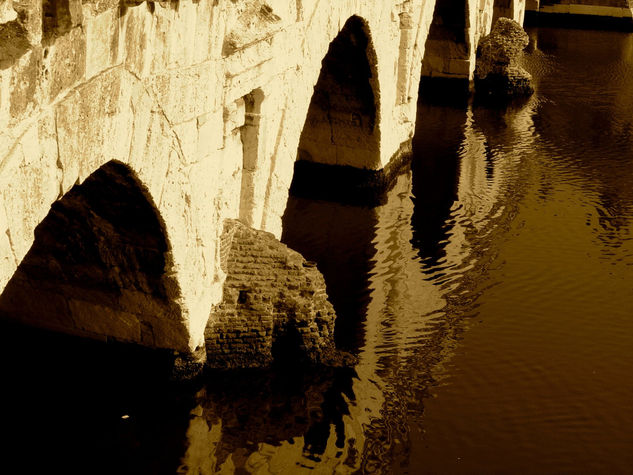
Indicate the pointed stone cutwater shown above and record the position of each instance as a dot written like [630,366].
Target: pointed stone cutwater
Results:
[498,72]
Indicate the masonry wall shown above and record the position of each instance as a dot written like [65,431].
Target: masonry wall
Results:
[167,89]
[96,268]
[452,41]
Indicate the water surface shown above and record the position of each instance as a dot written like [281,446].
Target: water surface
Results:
[490,302]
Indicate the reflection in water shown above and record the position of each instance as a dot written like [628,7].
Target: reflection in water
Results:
[435,172]
[339,238]
[298,422]
[489,301]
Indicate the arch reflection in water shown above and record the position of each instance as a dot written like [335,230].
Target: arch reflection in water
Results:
[410,297]
[542,384]
[278,421]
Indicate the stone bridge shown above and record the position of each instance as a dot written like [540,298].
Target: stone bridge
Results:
[131,132]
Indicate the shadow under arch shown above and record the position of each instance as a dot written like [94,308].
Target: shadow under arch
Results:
[502,8]
[98,267]
[338,156]
[435,168]
[447,49]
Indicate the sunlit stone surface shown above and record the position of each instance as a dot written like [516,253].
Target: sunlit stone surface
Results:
[206,103]
[487,296]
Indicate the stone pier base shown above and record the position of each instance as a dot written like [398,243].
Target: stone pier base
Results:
[274,308]
[346,184]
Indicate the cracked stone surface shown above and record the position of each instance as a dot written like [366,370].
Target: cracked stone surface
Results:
[205,103]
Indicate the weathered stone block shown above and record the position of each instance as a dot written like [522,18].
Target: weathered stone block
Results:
[24,81]
[102,41]
[497,71]
[210,133]
[29,190]
[255,20]
[66,61]
[60,16]
[95,7]
[185,94]
[267,313]
[106,321]
[7,13]
[14,42]
[49,310]
[30,16]
[165,333]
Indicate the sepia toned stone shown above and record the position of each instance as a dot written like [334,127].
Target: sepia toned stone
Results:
[274,305]
[207,105]
[498,72]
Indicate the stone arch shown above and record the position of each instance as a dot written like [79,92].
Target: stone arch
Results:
[100,266]
[114,116]
[342,124]
[502,8]
[448,50]
[513,9]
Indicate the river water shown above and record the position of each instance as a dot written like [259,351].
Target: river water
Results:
[489,300]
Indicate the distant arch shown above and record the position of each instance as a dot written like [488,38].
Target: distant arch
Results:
[342,124]
[100,266]
[447,50]
[513,9]
[502,8]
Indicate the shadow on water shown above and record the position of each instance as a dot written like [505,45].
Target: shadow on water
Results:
[339,239]
[88,407]
[78,406]
[239,414]
[435,164]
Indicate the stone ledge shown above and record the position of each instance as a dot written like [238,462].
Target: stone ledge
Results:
[346,184]
[573,20]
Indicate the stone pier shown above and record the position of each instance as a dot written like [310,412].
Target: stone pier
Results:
[180,115]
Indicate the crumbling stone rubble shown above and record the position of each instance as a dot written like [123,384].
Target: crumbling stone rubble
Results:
[498,72]
[274,306]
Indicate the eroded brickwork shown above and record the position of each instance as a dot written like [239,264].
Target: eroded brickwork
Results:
[274,304]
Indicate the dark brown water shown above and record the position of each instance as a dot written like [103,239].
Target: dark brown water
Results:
[490,301]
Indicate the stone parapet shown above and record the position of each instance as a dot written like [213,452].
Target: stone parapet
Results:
[582,13]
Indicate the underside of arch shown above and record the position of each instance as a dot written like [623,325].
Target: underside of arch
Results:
[99,267]
[447,52]
[341,125]
[503,8]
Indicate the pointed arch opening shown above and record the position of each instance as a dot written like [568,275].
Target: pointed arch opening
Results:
[341,125]
[99,267]
[503,8]
[338,156]
[447,50]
